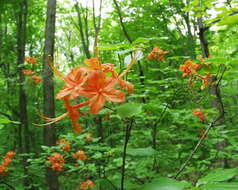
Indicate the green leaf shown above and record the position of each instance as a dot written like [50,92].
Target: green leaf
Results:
[218,175]
[220,186]
[163,183]
[5,121]
[229,20]
[141,151]
[129,110]
[217,60]
[114,46]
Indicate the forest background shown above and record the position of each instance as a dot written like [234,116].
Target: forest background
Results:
[176,63]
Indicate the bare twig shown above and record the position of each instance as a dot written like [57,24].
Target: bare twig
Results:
[127,137]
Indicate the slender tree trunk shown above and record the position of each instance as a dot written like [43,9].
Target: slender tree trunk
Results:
[213,88]
[84,41]
[48,87]
[23,129]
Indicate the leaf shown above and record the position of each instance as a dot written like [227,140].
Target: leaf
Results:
[217,60]
[129,110]
[163,183]
[218,175]
[5,121]
[229,20]
[220,186]
[142,151]
[114,47]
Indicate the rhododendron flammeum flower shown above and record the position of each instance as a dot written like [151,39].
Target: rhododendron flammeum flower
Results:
[189,68]
[36,79]
[199,114]
[86,185]
[73,81]
[100,89]
[205,80]
[65,144]
[79,155]
[91,82]
[57,162]
[157,54]
[31,60]
[27,72]
[7,159]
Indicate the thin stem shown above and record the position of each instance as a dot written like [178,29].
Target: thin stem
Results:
[196,147]
[127,137]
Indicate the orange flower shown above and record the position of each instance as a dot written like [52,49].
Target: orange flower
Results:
[37,79]
[205,80]
[57,162]
[87,185]
[31,60]
[100,89]
[157,54]
[189,68]
[7,159]
[93,64]
[73,81]
[10,154]
[65,144]
[79,155]
[27,72]
[198,113]
[3,171]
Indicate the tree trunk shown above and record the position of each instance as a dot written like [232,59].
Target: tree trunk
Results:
[213,87]
[48,87]
[23,129]
[82,35]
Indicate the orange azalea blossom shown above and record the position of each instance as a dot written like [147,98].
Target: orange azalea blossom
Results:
[31,60]
[205,80]
[65,144]
[198,113]
[7,159]
[27,72]
[73,81]
[189,68]
[93,82]
[100,89]
[157,54]
[86,185]
[57,162]
[79,155]
[36,79]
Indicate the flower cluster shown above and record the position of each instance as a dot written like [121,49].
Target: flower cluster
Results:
[198,113]
[157,54]
[31,60]
[95,81]
[35,78]
[56,162]
[64,144]
[79,155]
[86,185]
[7,159]
[190,70]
